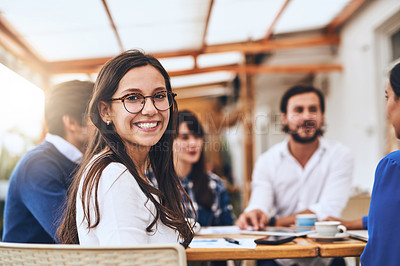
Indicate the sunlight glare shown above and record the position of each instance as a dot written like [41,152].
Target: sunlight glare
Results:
[22,104]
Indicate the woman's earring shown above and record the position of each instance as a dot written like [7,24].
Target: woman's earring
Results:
[108,122]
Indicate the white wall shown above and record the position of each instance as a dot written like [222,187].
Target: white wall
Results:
[358,91]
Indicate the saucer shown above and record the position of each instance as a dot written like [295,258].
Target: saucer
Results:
[339,236]
[301,228]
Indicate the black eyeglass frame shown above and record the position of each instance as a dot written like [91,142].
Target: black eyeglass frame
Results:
[122,99]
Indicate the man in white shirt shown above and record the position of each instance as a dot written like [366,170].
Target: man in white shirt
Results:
[303,174]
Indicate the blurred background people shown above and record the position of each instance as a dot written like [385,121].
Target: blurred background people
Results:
[206,189]
[305,173]
[111,201]
[39,182]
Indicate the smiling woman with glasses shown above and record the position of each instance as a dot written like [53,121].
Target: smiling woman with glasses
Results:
[111,201]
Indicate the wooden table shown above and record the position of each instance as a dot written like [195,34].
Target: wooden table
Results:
[299,248]
[345,248]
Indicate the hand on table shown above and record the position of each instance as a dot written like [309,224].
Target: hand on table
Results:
[255,218]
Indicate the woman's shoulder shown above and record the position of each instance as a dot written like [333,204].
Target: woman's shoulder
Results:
[115,167]
[111,167]
[390,160]
[394,156]
[113,172]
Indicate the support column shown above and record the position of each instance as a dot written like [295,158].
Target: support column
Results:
[247,97]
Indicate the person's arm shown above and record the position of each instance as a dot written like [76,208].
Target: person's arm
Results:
[43,192]
[383,218]
[365,222]
[337,187]
[255,218]
[355,224]
[261,199]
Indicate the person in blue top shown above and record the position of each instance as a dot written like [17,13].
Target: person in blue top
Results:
[206,189]
[39,182]
[383,244]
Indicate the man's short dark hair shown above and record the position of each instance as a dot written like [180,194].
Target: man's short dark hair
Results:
[300,89]
[67,98]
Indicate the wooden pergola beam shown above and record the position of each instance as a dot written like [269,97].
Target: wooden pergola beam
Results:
[14,43]
[248,69]
[121,46]
[203,39]
[93,65]
[345,15]
[271,28]
[276,44]
[259,69]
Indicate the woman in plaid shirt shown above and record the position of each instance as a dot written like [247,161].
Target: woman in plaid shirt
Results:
[206,189]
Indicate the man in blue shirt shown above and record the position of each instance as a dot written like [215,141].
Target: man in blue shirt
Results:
[39,182]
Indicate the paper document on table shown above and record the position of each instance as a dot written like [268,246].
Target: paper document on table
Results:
[247,243]
[277,231]
[358,234]
[212,230]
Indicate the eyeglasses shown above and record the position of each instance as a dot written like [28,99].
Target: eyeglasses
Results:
[134,102]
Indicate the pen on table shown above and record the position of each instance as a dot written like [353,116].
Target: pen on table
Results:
[231,240]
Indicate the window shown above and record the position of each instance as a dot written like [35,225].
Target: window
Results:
[395,42]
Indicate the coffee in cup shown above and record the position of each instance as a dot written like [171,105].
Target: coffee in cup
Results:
[329,228]
[306,219]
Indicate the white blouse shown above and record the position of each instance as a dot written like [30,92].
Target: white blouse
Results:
[125,212]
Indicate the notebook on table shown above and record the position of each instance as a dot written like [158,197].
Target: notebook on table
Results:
[279,231]
[358,234]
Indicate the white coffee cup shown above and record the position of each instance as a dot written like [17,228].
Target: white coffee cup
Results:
[329,228]
[196,226]
[306,219]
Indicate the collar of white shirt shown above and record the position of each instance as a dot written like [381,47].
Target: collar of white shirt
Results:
[321,147]
[66,148]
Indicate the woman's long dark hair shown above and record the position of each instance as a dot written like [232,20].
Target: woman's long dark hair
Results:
[394,79]
[202,191]
[170,208]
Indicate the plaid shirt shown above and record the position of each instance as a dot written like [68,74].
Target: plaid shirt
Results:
[221,209]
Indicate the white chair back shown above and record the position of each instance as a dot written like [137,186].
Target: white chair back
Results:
[48,254]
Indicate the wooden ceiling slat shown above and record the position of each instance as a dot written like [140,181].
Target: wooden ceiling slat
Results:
[92,65]
[206,25]
[121,46]
[249,69]
[277,44]
[344,15]
[271,28]
[258,69]
[14,43]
